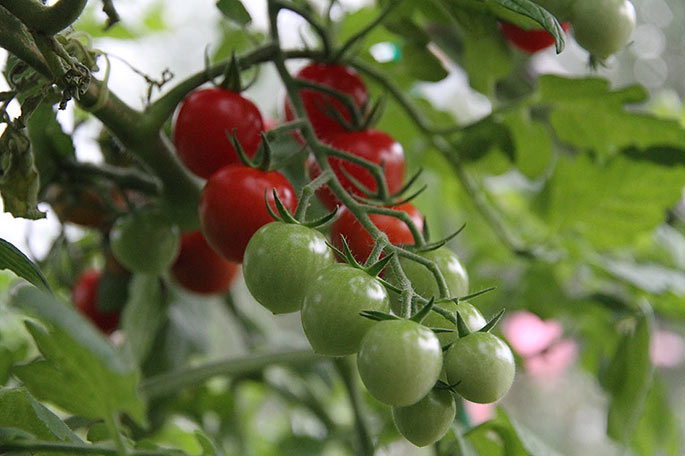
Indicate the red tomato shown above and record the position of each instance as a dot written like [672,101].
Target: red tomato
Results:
[200,269]
[232,206]
[530,41]
[341,78]
[84,295]
[205,118]
[360,241]
[372,145]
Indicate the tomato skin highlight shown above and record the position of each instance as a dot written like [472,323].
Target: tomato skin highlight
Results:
[372,145]
[280,261]
[337,77]
[198,268]
[399,361]
[232,206]
[360,241]
[84,296]
[332,302]
[203,122]
[481,367]
[428,420]
[530,41]
[145,241]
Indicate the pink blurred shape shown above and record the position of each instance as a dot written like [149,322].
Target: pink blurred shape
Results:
[528,334]
[553,360]
[479,413]
[667,349]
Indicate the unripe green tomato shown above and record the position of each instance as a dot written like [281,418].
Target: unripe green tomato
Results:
[603,27]
[280,260]
[399,361]
[145,241]
[481,367]
[423,280]
[332,302]
[472,317]
[428,420]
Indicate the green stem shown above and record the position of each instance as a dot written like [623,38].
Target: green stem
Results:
[47,20]
[16,38]
[168,383]
[346,370]
[112,423]
[307,193]
[38,446]
[319,28]
[129,178]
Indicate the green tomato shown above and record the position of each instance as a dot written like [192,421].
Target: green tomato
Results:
[603,27]
[399,361]
[481,367]
[332,303]
[145,241]
[472,317]
[428,420]
[280,260]
[423,280]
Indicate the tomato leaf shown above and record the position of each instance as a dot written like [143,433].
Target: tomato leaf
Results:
[19,181]
[538,14]
[235,11]
[143,315]
[628,378]
[26,417]
[13,259]
[658,431]
[81,373]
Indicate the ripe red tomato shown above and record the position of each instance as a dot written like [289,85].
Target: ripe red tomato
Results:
[372,145]
[360,241]
[200,269]
[341,78]
[232,206]
[205,118]
[530,41]
[84,295]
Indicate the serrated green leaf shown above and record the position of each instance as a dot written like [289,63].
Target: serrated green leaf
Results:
[143,315]
[20,411]
[536,13]
[235,11]
[610,204]
[13,259]
[587,114]
[628,379]
[531,140]
[82,372]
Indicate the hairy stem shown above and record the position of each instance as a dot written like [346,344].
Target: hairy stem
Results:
[47,20]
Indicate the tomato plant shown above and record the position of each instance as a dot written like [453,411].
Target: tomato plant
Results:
[399,361]
[428,420]
[372,145]
[472,317]
[532,40]
[84,295]
[344,80]
[145,241]
[199,268]
[360,241]
[480,366]
[206,121]
[280,261]
[332,303]
[603,27]
[232,206]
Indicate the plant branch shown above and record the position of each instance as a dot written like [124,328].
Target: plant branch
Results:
[169,383]
[129,178]
[16,38]
[366,30]
[346,371]
[47,20]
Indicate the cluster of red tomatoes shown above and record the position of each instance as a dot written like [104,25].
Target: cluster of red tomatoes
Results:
[602,27]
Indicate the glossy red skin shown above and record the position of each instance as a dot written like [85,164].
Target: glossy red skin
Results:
[205,118]
[232,206]
[530,41]
[360,241]
[338,77]
[84,295]
[200,269]
[372,145]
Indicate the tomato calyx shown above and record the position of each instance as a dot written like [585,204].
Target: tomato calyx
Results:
[232,80]
[285,216]
[437,244]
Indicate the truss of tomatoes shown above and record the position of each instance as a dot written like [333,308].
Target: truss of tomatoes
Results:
[290,267]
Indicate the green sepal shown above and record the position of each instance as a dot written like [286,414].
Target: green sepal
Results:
[377,315]
[419,316]
[232,80]
[473,295]
[323,220]
[389,286]
[374,113]
[264,154]
[493,322]
[462,329]
[244,159]
[436,245]
[358,185]
[284,215]
[375,269]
